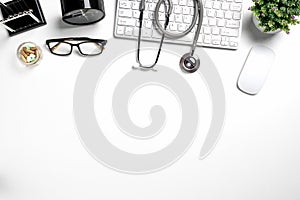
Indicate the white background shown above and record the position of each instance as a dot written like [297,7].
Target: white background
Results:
[41,156]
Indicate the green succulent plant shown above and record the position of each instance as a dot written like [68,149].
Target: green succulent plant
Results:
[276,14]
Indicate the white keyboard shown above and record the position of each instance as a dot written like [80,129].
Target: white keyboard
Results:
[221,27]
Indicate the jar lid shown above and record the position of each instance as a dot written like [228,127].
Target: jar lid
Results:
[83,16]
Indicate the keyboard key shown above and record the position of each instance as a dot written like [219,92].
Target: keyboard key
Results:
[183,2]
[156,34]
[190,3]
[208,4]
[225,6]
[173,26]
[233,44]
[224,38]
[178,18]
[232,24]
[215,31]
[212,22]
[236,7]
[192,12]
[224,43]
[125,13]
[207,30]
[182,27]
[216,38]
[205,22]
[172,18]
[193,30]
[162,9]
[207,39]
[175,2]
[126,21]
[187,19]
[201,30]
[125,4]
[147,33]
[220,14]
[129,31]
[177,9]
[148,24]
[237,15]
[229,32]
[120,30]
[217,5]
[186,10]
[211,13]
[146,15]
[151,15]
[136,32]
[216,42]
[221,22]
[161,16]
[228,15]
[200,39]
[136,14]
[151,7]
[135,5]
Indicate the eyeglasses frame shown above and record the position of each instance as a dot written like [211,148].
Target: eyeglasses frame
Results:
[84,39]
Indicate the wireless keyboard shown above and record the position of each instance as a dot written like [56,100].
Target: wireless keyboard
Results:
[221,27]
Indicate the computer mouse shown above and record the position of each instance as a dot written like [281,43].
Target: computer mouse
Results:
[256,69]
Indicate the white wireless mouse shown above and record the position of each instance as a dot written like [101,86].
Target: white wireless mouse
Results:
[256,69]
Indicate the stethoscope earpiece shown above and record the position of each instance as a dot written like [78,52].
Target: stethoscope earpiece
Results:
[189,63]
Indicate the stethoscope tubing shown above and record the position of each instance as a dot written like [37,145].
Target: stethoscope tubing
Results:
[168,12]
[198,11]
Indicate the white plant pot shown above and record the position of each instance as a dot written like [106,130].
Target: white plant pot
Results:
[256,22]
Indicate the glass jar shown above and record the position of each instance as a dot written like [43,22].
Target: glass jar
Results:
[29,54]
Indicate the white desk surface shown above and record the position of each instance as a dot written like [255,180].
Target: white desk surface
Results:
[41,157]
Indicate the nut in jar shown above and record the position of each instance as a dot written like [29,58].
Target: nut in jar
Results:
[29,54]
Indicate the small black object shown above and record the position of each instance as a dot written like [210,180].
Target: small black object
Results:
[21,15]
[82,12]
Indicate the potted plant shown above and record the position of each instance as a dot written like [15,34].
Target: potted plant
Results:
[272,16]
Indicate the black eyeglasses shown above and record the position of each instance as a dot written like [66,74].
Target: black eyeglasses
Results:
[86,46]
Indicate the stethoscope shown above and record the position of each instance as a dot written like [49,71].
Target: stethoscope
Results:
[189,62]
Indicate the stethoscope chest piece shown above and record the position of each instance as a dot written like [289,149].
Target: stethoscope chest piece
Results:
[189,63]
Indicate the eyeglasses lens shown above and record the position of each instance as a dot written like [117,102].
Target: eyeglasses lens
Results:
[91,48]
[60,48]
